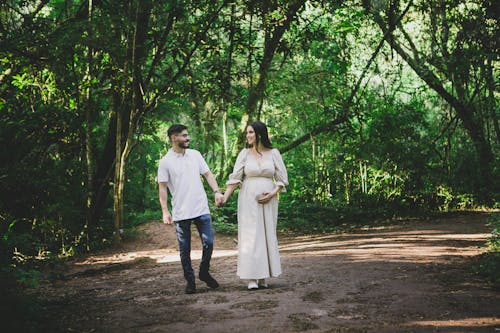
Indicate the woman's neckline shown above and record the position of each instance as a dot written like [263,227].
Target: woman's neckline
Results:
[261,151]
[264,152]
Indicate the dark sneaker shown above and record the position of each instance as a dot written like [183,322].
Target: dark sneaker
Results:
[209,280]
[191,288]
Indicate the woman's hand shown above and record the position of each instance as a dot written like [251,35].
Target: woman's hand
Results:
[265,197]
[224,199]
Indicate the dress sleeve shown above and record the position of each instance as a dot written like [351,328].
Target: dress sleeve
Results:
[236,177]
[280,173]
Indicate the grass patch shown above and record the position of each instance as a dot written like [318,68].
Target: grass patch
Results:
[489,262]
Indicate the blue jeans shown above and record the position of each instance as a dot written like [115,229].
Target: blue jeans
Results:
[204,225]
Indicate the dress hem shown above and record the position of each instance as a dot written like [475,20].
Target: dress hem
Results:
[258,278]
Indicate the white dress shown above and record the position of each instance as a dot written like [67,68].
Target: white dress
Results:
[258,255]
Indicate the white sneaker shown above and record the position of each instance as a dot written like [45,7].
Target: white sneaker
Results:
[262,283]
[253,285]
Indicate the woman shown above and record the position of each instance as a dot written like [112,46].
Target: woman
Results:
[262,174]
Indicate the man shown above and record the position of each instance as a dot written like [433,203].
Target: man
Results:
[179,172]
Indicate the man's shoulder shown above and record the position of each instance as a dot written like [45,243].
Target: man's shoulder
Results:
[193,152]
[166,158]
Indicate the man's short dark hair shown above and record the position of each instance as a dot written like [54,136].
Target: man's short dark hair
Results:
[175,129]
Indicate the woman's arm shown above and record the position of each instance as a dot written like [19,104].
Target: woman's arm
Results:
[229,190]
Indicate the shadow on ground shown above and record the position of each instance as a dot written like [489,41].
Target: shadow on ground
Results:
[413,277]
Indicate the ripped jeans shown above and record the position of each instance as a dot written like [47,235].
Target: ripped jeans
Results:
[183,228]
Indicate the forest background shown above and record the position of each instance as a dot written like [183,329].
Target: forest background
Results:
[380,108]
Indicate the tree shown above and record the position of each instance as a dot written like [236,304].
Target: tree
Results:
[136,90]
[454,55]
[276,18]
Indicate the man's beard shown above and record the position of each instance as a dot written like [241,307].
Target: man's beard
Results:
[184,145]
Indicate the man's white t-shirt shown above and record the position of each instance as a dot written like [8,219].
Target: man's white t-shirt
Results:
[182,173]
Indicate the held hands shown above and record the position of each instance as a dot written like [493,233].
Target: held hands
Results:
[223,199]
[219,199]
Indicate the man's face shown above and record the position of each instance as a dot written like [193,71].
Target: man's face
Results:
[181,139]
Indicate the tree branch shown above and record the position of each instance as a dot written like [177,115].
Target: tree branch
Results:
[187,58]
[343,117]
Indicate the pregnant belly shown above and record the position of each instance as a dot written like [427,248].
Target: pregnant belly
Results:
[258,185]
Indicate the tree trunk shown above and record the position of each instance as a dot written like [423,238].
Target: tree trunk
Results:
[467,112]
[117,212]
[491,100]
[89,151]
[226,94]
[128,96]
[133,111]
[274,34]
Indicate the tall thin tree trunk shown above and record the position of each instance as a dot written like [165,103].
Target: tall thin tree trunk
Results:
[117,211]
[121,184]
[314,168]
[89,153]
[347,185]
[491,100]
[226,94]
[363,176]
[134,94]
[223,162]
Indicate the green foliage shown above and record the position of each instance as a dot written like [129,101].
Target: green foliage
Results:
[19,312]
[224,218]
[446,200]
[494,240]
[401,150]
[488,264]
[489,268]
[225,228]
[338,216]
[137,218]
[28,277]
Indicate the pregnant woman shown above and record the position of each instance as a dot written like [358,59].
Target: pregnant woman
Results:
[260,171]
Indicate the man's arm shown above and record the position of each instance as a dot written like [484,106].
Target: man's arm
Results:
[213,184]
[163,193]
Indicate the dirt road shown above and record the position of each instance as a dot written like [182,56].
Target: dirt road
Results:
[412,276]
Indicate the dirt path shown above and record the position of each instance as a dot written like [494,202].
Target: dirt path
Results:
[407,277]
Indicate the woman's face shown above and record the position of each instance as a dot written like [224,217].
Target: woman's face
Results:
[250,135]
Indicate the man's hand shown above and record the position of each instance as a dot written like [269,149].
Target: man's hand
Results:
[167,218]
[219,199]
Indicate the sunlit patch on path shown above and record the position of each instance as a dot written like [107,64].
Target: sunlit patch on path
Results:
[413,277]
[424,245]
[160,256]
